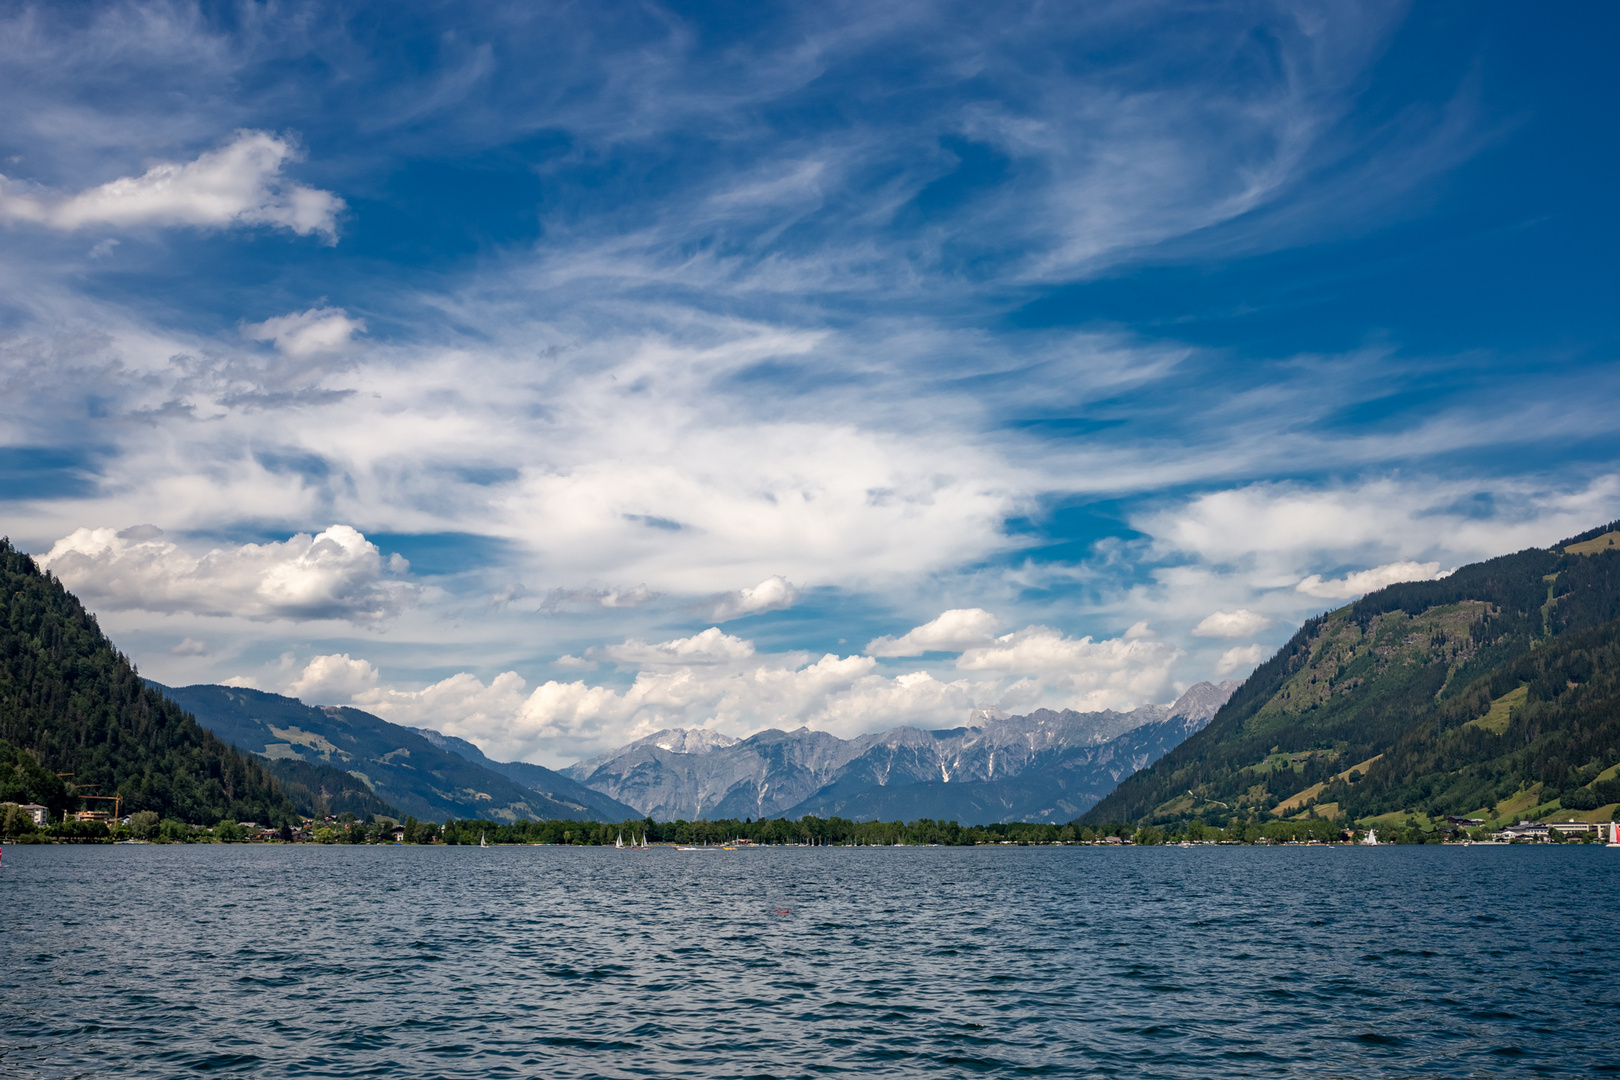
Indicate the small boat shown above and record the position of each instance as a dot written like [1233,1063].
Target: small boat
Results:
[1371,839]
[481,841]
[619,843]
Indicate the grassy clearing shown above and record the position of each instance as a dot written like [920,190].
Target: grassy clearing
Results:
[1501,713]
[1298,800]
[1519,805]
[1609,541]
[1602,813]
[1396,820]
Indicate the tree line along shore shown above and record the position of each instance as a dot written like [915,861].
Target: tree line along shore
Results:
[148,827]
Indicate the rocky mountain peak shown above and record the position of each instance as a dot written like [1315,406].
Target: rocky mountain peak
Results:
[688,740]
[1202,701]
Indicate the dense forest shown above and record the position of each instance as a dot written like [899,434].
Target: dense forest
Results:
[76,720]
[1496,684]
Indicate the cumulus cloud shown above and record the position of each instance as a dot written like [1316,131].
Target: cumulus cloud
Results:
[772,594]
[190,646]
[332,680]
[719,681]
[567,720]
[1366,581]
[712,646]
[951,631]
[1240,658]
[238,184]
[1092,674]
[1236,624]
[307,333]
[335,574]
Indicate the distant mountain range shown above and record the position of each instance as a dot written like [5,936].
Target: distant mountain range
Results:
[1047,766]
[427,775]
[1044,767]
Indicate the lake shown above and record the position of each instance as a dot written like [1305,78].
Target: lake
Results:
[425,962]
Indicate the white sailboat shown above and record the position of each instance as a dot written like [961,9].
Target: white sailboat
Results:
[619,843]
[1371,839]
[481,841]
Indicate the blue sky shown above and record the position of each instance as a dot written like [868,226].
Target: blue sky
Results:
[551,374]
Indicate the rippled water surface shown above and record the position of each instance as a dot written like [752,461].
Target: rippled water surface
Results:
[547,962]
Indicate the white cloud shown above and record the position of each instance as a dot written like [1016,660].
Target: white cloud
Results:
[1366,581]
[951,631]
[1275,527]
[772,594]
[718,681]
[1092,674]
[1241,657]
[335,574]
[332,679]
[238,184]
[566,720]
[635,597]
[712,646]
[307,333]
[1266,548]
[1236,624]
[839,448]
[190,646]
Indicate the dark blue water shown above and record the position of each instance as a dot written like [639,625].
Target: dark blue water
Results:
[1148,962]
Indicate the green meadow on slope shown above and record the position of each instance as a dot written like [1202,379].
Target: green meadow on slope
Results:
[1493,692]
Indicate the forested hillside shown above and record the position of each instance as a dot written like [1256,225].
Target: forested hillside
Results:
[1488,693]
[72,704]
[320,790]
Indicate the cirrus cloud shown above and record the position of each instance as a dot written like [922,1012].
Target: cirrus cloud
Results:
[307,333]
[238,184]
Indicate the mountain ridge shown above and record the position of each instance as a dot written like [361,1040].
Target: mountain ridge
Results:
[773,772]
[420,776]
[1476,695]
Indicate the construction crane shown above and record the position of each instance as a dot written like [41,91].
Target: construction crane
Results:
[116,800]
